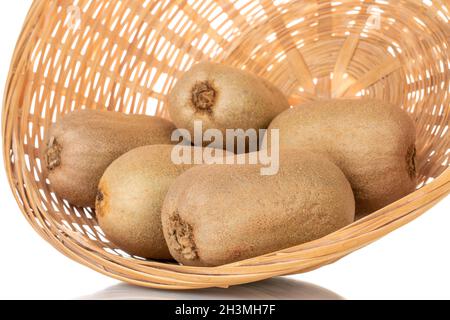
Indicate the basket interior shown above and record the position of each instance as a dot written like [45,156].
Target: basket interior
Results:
[127,55]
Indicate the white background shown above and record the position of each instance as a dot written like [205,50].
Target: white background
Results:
[411,263]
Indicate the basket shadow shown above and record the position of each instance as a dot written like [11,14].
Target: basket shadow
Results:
[271,289]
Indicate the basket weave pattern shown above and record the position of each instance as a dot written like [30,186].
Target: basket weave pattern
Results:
[126,56]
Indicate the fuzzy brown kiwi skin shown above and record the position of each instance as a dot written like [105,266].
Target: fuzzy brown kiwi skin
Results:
[82,144]
[248,215]
[373,142]
[128,198]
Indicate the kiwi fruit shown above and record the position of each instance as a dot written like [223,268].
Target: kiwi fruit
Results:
[130,196]
[373,142]
[223,97]
[83,143]
[218,214]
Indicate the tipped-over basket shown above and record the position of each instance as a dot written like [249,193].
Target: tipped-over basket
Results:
[127,55]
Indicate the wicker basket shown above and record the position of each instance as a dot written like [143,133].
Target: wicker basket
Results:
[126,55]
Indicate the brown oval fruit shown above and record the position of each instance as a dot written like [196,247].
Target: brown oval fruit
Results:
[130,197]
[222,97]
[373,143]
[83,143]
[218,214]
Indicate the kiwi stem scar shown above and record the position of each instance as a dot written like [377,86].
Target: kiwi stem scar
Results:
[100,196]
[203,96]
[181,234]
[411,161]
[53,154]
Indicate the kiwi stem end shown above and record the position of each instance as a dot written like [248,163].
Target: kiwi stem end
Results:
[53,154]
[411,161]
[204,96]
[181,235]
